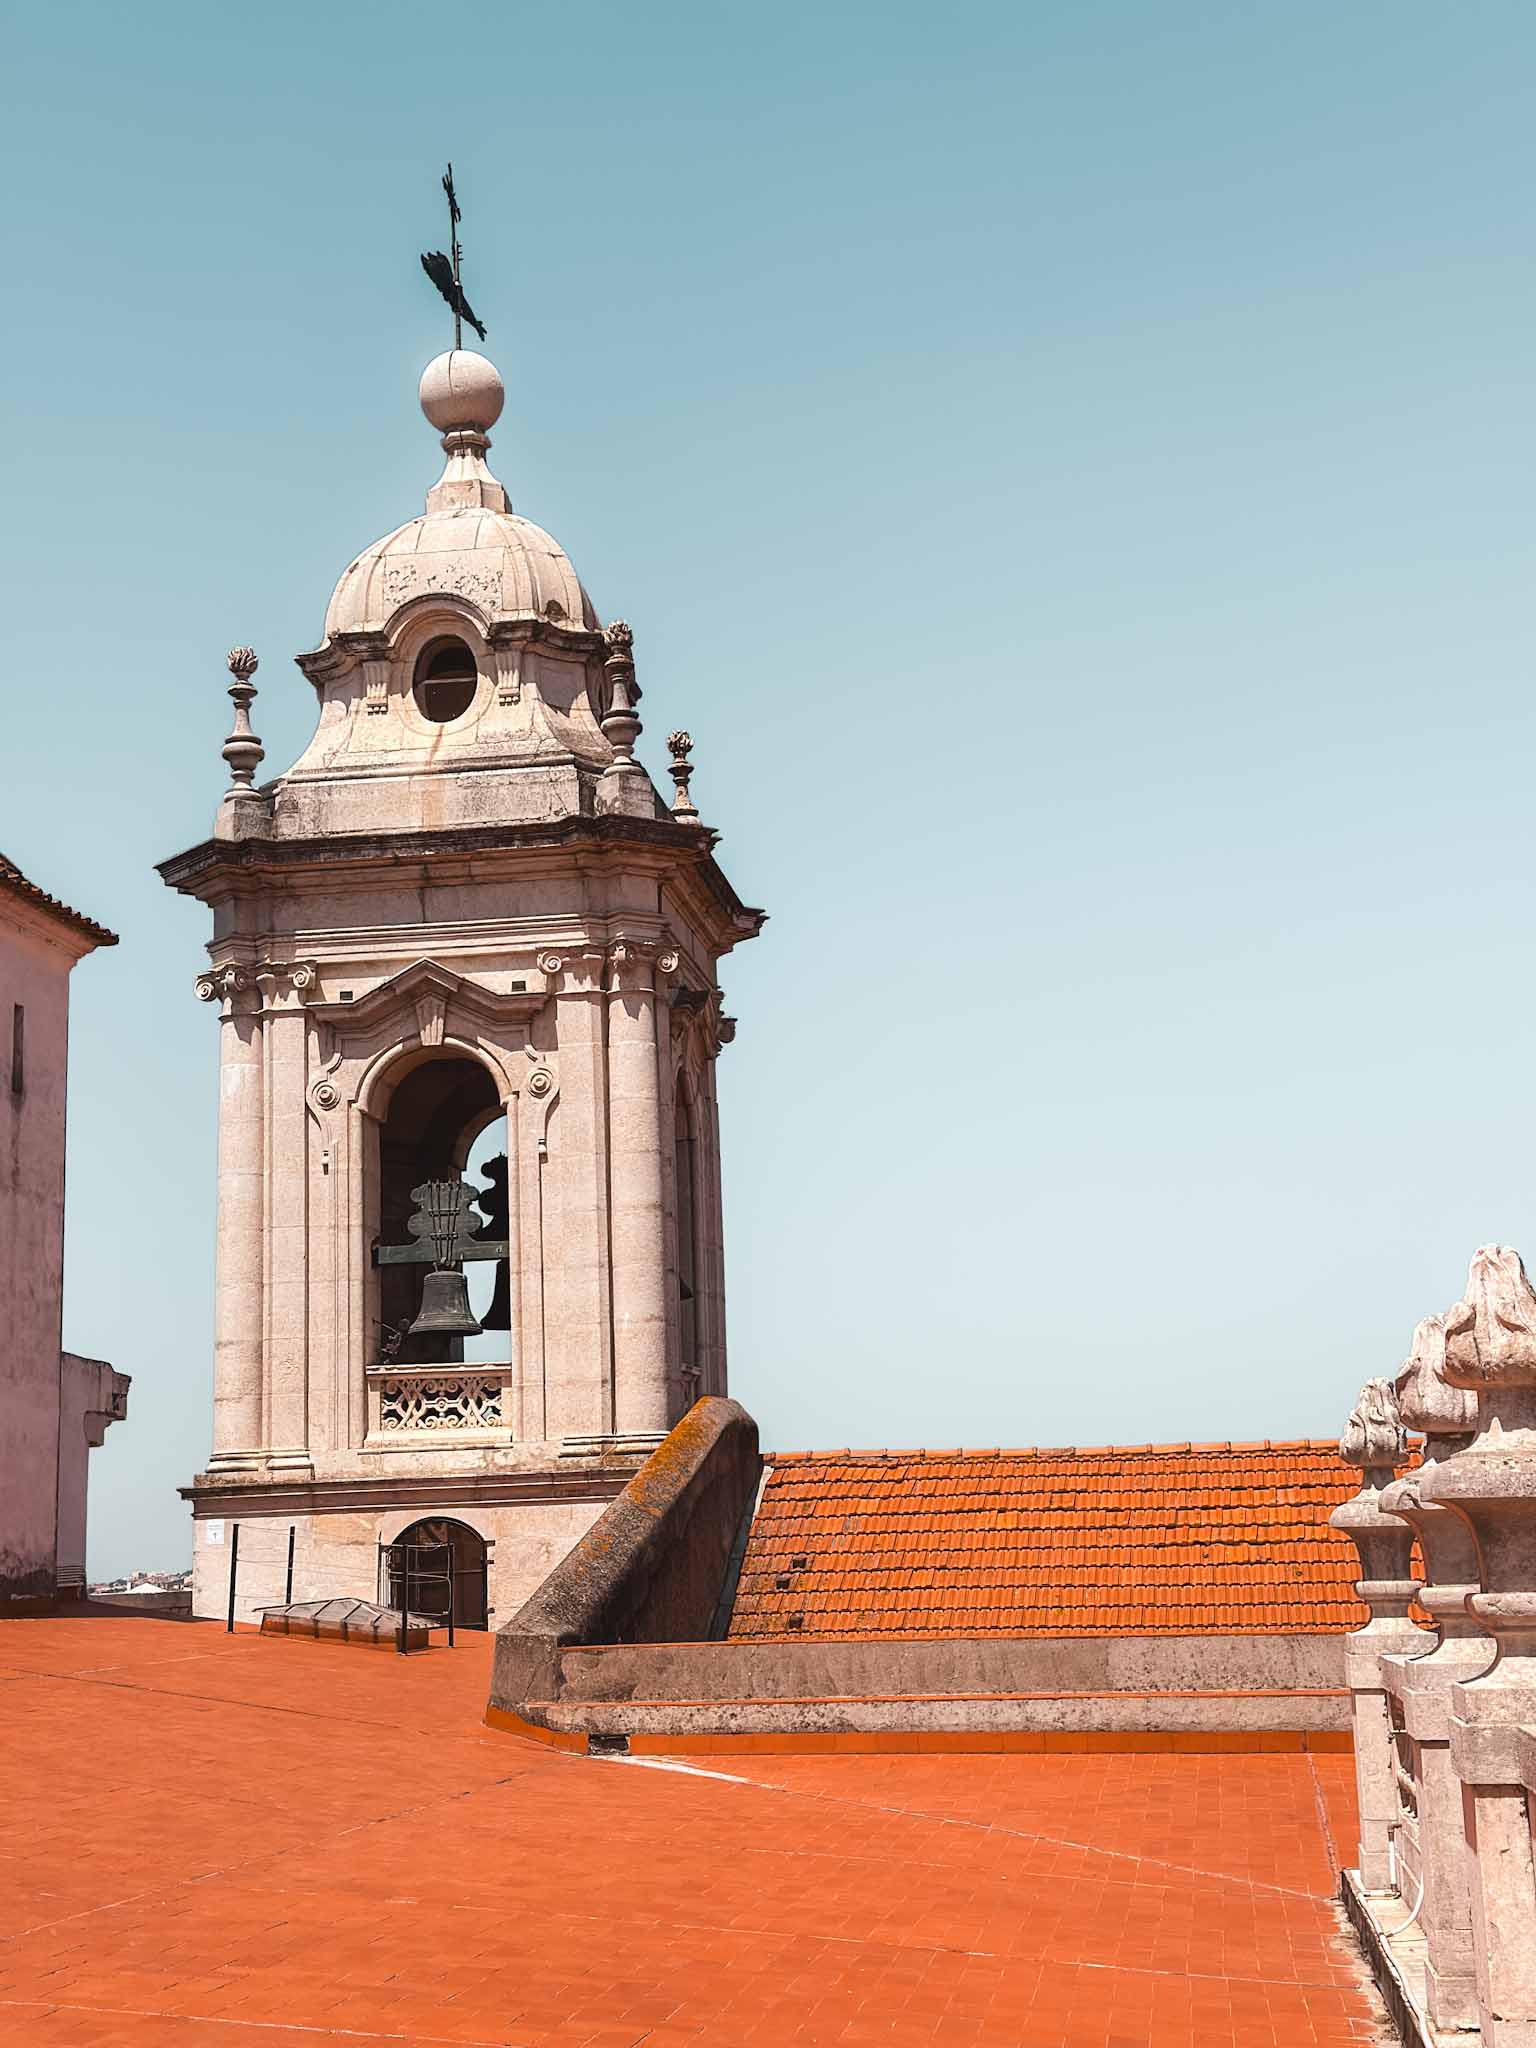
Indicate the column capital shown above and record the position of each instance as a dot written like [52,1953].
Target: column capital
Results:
[230,986]
[699,1019]
[572,970]
[635,965]
[287,984]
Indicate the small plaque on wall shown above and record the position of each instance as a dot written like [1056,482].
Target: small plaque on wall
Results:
[213,1532]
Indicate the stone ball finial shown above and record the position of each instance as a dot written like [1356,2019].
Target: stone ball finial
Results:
[461,390]
[1373,1435]
[1425,1398]
[1490,1335]
[242,663]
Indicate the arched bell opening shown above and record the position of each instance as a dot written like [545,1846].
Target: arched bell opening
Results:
[487,1169]
[438,1113]
[435,1563]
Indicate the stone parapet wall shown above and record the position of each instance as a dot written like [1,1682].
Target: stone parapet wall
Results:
[1197,1722]
[653,1567]
[787,1670]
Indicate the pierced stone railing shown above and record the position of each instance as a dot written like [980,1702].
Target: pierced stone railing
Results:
[411,1406]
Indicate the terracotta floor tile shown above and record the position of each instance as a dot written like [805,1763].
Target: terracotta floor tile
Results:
[328,1844]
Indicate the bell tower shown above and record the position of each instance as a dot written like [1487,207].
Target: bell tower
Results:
[464,960]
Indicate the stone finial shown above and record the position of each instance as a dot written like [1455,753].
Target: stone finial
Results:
[1426,1399]
[242,750]
[1490,1335]
[462,395]
[680,746]
[1373,1435]
[1447,1415]
[621,725]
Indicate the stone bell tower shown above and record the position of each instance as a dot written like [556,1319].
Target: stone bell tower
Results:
[464,919]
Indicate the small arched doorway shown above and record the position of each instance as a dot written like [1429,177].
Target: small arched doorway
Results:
[434,1553]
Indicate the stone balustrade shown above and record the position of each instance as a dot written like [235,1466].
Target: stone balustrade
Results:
[1444,1890]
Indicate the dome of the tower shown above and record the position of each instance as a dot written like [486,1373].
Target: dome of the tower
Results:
[469,543]
[501,563]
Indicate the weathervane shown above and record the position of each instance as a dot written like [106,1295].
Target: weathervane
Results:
[444,270]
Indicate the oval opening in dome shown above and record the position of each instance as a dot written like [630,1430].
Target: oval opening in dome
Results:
[445,682]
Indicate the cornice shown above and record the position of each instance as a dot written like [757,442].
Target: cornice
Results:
[222,866]
[222,1497]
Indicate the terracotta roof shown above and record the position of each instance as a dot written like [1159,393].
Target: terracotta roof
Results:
[1140,1540]
[12,879]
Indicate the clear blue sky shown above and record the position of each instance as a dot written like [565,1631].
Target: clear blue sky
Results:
[1069,465]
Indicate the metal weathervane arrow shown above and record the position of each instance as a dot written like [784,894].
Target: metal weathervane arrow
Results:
[444,270]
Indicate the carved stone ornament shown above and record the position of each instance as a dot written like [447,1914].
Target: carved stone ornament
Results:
[1373,1435]
[680,747]
[1447,1415]
[540,1082]
[464,1400]
[299,977]
[223,983]
[1426,1400]
[550,964]
[325,1095]
[242,750]
[431,1018]
[1490,1336]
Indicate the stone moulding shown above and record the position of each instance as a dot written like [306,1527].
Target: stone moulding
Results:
[242,861]
[238,1497]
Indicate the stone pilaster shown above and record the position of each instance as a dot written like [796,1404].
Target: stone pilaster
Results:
[577,1350]
[285,988]
[1490,1348]
[1372,1443]
[641,1392]
[238,1288]
[1420,1686]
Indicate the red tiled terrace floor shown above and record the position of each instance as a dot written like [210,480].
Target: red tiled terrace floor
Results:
[234,1840]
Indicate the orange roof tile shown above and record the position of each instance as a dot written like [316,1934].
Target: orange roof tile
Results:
[1155,1539]
[15,882]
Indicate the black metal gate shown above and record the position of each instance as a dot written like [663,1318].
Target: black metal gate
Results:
[428,1573]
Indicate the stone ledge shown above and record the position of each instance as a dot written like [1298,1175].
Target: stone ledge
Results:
[925,1742]
[1396,1964]
[224,1497]
[1241,1722]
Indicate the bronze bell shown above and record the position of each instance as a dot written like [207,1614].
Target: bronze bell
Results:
[445,1307]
